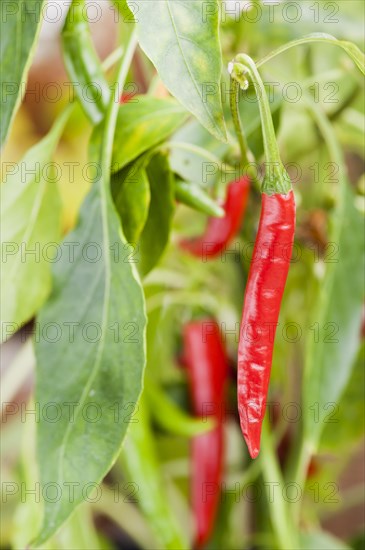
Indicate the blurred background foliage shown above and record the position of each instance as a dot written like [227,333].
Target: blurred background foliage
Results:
[181,286]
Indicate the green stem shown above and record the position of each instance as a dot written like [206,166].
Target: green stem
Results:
[245,65]
[112,58]
[233,102]
[353,51]
[112,112]
[278,509]
[299,474]
[247,158]
[276,179]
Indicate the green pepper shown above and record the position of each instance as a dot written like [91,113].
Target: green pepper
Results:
[83,65]
[170,417]
[194,196]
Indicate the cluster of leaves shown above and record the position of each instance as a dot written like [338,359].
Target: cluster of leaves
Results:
[142,151]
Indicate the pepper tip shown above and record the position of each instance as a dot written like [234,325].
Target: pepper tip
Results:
[253,443]
[254,451]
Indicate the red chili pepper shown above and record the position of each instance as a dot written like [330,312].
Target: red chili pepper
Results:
[125,97]
[264,291]
[270,262]
[220,231]
[207,366]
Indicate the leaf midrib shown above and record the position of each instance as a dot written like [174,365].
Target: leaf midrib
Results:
[100,349]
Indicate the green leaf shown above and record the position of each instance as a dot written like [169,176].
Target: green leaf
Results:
[330,357]
[131,194]
[143,123]
[346,425]
[182,41]
[351,49]
[83,65]
[97,367]
[156,232]
[194,196]
[19,28]
[30,230]
[140,466]
[321,541]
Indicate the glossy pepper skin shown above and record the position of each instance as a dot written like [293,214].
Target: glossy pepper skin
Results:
[264,291]
[220,231]
[207,367]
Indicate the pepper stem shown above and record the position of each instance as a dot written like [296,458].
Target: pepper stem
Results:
[276,179]
[247,159]
[233,102]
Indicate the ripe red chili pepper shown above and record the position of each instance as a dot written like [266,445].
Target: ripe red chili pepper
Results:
[220,231]
[207,366]
[264,291]
[269,267]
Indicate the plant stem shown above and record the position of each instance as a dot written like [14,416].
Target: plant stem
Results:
[278,509]
[247,159]
[112,112]
[112,58]
[356,55]
[299,474]
[276,179]
[233,102]
[245,65]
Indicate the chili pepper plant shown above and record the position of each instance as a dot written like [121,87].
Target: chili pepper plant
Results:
[182,275]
